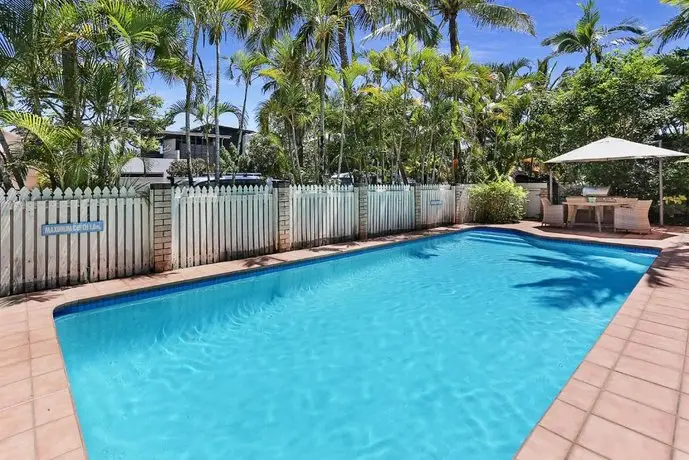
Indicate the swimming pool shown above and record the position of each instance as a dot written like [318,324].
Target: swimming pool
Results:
[449,347]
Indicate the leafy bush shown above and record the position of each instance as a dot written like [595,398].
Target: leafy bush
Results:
[499,202]
[178,168]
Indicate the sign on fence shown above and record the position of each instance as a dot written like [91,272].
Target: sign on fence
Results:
[81,227]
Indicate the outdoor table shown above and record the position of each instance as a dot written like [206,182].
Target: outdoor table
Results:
[598,206]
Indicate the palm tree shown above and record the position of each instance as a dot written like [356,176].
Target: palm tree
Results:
[588,36]
[545,73]
[51,147]
[139,34]
[223,14]
[245,67]
[318,33]
[484,13]
[345,79]
[289,75]
[194,13]
[677,27]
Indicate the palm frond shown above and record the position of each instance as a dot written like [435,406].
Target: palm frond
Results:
[486,14]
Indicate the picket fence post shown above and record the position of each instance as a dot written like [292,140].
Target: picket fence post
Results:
[161,200]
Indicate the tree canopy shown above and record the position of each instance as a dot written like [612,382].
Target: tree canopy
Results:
[74,77]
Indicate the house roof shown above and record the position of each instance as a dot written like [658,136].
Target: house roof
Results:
[226,132]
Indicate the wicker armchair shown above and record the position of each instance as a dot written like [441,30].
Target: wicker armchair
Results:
[633,217]
[553,214]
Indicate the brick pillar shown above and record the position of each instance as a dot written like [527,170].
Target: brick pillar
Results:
[161,205]
[459,192]
[284,216]
[362,190]
[418,224]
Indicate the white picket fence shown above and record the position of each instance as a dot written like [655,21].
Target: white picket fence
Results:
[390,209]
[32,260]
[206,225]
[437,205]
[222,223]
[323,214]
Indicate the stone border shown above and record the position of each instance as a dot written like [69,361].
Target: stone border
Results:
[38,419]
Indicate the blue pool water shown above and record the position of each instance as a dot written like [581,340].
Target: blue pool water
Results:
[447,348]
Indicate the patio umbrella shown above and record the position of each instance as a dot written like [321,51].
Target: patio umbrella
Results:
[612,148]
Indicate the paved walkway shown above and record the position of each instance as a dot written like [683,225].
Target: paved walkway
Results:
[625,400]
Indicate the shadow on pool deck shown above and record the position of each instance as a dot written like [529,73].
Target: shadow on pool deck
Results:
[670,269]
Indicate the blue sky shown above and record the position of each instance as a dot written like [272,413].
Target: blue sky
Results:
[486,45]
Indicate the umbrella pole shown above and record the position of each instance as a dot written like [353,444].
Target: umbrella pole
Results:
[550,185]
[662,201]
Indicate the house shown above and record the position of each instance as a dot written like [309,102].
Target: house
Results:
[174,145]
[152,167]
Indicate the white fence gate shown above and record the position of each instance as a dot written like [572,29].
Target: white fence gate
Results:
[390,209]
[437,205]
[323,214]
[35,254]
[222,223]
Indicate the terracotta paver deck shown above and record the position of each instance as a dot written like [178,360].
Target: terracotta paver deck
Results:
[626,400]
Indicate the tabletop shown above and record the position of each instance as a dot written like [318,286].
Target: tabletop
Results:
[594,204]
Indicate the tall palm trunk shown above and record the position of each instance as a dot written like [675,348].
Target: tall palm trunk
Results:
[217,119]
[69,76]
[296,155]
[187,102]
[4,176]
[130,101]
[342,44]
[454,35]
[342,133]
[208,154]
[240,141]
[321,114]
[454,49]
[398,164]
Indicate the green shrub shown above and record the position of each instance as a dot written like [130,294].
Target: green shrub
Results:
[499,202]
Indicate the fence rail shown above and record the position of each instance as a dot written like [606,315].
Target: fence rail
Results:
[36,253]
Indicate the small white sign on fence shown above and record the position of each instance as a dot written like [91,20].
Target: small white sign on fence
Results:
[68,229]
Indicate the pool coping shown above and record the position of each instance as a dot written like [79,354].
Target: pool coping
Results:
[38,419]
